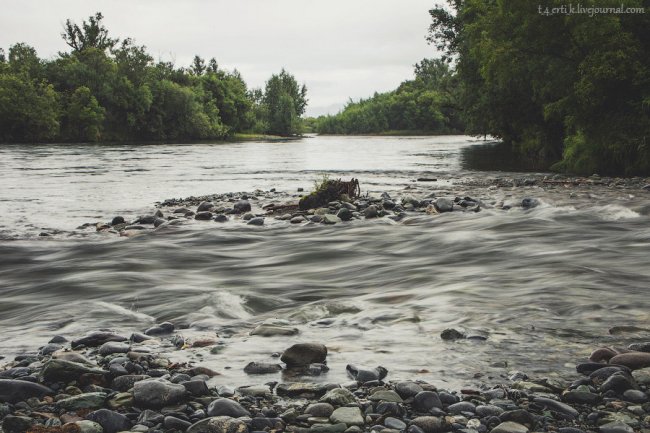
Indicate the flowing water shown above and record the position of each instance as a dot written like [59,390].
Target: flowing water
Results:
[544,284]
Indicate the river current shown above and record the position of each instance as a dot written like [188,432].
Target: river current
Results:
[544,285]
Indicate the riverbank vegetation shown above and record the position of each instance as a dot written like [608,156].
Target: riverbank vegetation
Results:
[110,90]
[426,104]
[570,87]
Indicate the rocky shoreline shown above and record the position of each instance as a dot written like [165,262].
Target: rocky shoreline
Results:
[104,382]
[426,196]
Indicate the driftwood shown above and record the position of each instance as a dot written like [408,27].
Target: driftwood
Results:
[330,190]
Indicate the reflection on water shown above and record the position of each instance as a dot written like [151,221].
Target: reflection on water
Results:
[498,156]
[544,284]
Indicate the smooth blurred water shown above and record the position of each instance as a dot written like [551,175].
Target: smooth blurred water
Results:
[544,284]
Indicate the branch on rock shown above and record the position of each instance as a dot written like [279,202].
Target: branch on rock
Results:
[331,190]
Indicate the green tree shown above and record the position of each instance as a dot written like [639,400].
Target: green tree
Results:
[198,66]
[285,102]
[83,118]
[91,34]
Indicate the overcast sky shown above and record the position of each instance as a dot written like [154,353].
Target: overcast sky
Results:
[338,48]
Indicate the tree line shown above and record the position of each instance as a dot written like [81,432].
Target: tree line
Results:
[105,89]
[569,88]
[427,104]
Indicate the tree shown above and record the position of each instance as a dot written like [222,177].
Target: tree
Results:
[24,60]
[91,34]
[84,117]
[198,66]
[284,117]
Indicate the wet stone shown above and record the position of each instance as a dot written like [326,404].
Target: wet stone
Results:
[338,397]
[156,394]
[407,389]
[616,427]
[320,410]
[226,407]
[95,339]
[257,221]
[385,395]
[14,391]
[488,410]
[348,416]
[509,427]
[218,424]
[366,374]
[111,422]
[113,347]
[429,424]
[426,400]
[262,368]
[303,354]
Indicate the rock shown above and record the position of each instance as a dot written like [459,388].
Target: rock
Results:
[520,416]
[270,330]
[297,219]
[220,218]
[249,216]
[394,423]
[640,347]
[407,389]
[226,407]
[14,391]
[120,400]
[557,406]
[618,382]
[242,206]
[218,424]
[95,339]
[385,395]
[16,424]
[297,389]
[328,218]
[529,203]
[117,220]
[632,360]
[196,387]
[303,354]
[604,373]
[344,214]
[602,354]
[203,216]
[320,410]
[587,368]
[160,329]
[126,382]
[430,424]
[87,426]
[580,397]
[642,376]
[426,400]
[328,428]
[348,416]
[59,370]
[364,374]
[462,406]
[452,334]
[257,221]
[509,427]
[155,394]
[111,422]
[443,205]
[91,400]
[177,424]
[158,222]
[635,396]
[252,391]
[616,427]
[205,206]
[488,410]
[262,368]
[113,347]
[338,397]
[371,212]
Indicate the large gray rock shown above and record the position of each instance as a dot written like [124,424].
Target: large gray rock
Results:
[59,370]
[426,400]
[126,382]
[443,205]
[14,391]
[348,416]
[338,397]
[16,424]
[218,424]
[510,427]
[113,347]
[91,400]
[242,206]
[303,354]
[156,395]
[558,407]
[226,407]
[270,330]
[95,339]
[111,422]
[431,424]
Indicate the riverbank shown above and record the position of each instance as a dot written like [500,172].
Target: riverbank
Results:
[155,381]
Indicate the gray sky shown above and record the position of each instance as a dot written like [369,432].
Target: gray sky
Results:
[339,48]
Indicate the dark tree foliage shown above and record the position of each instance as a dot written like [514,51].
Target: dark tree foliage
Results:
[426,104]
[108,91]
[573,88]
[285,101]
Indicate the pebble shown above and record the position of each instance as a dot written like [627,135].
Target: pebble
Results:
[348,416]
[303,354]
[632,360]
[270,330]
[157,394]
[509,427]
[257,221]
[226,407]
[262,368]
[14,391]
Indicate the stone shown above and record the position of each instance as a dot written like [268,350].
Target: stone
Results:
[126,382]
[203,216]
[580,397]
[14,391]
[442,205]
[338,397]
[509,427]
[218,424]
[221,218]
[344,214]
[407,389]
[558,407]
[641,376]
[196,387]
[156,394]
[520,416]
[164,328]
[348,416]
[320,410]
[303,354]
[262,368]
[297,389]
[616,427]
[177,424]
[226,407]
[205,206]
[604,373]
[529,203]
[618,382]
[385,395]
[95,339]
[242,206]
[452,334]
[488,410]
[640,347]
[59,370]
[257,221]
[329,218]
[297,219]
[113,347]
[430,424]
[87,426]
[120,400]
[270,330]
[394,423]
[462,406]
[111,422]
[16,424]
[426,400]
[328,428]
[635,396]
[117,220]
[602,354]
[365,374]
[632,360]
[371,212]
[91,400]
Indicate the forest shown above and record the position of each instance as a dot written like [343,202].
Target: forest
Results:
[105,89]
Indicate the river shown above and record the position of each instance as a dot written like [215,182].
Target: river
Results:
[544,285]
